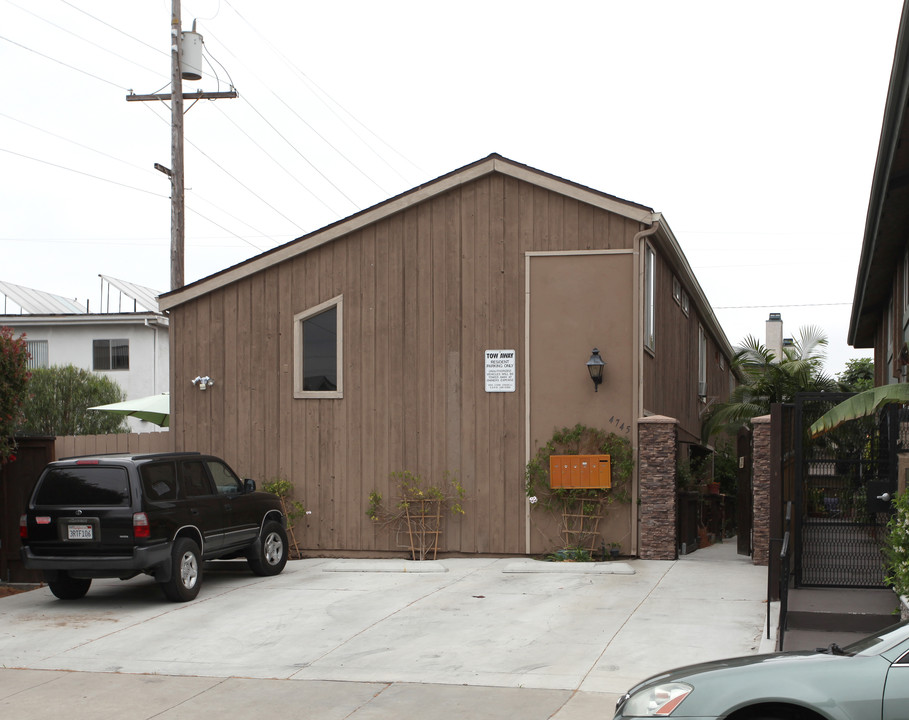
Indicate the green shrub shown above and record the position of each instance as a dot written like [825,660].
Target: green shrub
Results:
[896,550]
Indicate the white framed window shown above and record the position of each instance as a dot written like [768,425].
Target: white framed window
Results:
[702,363]
[318,356]
[685,303]
[676,290]
[649,297]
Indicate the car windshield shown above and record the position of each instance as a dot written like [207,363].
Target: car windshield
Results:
[878,643]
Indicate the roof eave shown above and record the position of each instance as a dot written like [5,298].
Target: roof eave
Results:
[861,325]
[469,173]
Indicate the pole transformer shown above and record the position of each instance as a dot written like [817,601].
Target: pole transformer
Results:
[175,173]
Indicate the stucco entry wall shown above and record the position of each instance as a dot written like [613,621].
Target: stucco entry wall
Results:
[577,302]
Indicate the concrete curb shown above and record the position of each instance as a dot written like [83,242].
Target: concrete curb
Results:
[587,568]
[385,566]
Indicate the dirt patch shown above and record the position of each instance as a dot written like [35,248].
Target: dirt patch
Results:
[6,590]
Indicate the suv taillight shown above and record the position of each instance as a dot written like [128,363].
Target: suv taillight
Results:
[23,527]
[141,528]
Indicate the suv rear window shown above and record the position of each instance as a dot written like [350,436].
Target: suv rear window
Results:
[96,485]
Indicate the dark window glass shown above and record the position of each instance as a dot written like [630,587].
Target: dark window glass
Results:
[119,354]
[159,481]
[110,354]
[320,351]
[225,481]
[101,354]
[195,480]
[90,485]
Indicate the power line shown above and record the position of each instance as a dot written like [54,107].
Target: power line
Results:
[76,143]
[310,81]
[67,65]
[80,172]
[275,161]
[234,178]
[779,305]
[296,150]
[85,40]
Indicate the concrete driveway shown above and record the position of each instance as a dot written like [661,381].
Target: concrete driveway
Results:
[499,636]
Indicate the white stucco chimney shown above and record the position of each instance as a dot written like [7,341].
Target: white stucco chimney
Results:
[774,342]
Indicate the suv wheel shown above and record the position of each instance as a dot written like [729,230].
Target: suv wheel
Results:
[69,588]
[186,572]
[271,555]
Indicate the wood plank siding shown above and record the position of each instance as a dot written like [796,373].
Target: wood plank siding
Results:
[427,283]
[426,291]
[671,370]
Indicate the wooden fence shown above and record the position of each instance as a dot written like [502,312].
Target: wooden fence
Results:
[70,445]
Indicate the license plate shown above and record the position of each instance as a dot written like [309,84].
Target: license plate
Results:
[79,532]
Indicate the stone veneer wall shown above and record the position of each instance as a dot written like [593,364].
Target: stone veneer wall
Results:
[657,440]
[760,482]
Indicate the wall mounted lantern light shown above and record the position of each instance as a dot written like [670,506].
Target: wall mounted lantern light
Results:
[595,367]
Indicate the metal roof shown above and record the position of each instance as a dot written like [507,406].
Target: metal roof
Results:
[144,297]
[38,302]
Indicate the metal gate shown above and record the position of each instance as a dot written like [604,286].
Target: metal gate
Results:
[841,477]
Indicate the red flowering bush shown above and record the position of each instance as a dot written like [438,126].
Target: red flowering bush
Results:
[14,376]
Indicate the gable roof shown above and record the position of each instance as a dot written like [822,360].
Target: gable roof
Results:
[468,173]
[494,163]
[888,207]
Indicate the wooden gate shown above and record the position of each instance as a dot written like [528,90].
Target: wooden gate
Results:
[17,480]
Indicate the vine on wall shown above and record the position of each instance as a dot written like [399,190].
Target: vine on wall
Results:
[579,510]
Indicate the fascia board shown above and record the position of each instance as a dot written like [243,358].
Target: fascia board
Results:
[99,319]
[493,163]
[891,126]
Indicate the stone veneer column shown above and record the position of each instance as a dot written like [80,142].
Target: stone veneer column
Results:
[657,439]
[760,489]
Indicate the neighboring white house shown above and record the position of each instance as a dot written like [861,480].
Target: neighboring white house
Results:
[127,341]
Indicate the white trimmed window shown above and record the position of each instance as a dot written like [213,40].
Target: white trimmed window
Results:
[702,363]
[649,299]
[318,351]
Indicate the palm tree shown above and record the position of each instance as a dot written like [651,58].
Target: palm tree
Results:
[767,379]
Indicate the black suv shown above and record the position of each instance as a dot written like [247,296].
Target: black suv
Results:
[161,514]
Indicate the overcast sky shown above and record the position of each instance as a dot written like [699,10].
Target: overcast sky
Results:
[753,126]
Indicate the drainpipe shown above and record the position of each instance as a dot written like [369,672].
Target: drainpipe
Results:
[154,328]
[638,368]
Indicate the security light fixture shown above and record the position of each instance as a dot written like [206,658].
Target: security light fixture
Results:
[202,382]
[595,367]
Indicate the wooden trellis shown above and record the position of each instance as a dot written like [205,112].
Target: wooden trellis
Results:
[581,522]
[423,520]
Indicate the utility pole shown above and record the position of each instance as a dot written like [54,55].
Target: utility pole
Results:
[177,232]
[175,173]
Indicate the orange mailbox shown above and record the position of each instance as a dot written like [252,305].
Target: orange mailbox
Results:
[580,471]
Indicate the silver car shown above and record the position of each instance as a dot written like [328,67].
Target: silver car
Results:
[868,680]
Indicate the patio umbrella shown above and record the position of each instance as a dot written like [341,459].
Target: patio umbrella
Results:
[154,408]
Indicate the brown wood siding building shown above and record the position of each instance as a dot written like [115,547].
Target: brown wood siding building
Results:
[493,256]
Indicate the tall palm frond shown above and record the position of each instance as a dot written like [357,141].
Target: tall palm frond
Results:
[767,379]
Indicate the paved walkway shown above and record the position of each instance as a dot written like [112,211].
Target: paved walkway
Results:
[479,638]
